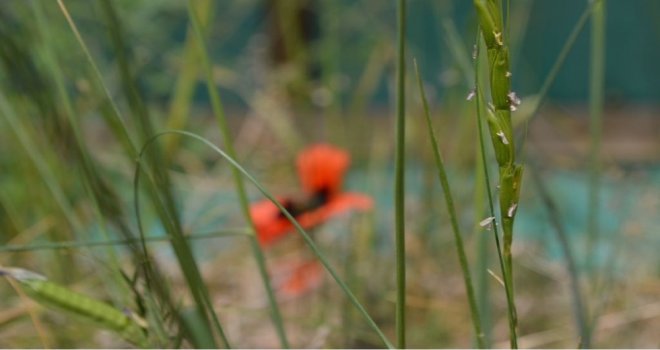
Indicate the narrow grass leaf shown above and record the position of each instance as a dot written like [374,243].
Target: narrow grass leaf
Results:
[117,242]
[579,307]
[460,249]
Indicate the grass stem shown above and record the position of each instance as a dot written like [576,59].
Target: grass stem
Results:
[399,181]
[481,111]
[596,96]
[596,99]
[571,266]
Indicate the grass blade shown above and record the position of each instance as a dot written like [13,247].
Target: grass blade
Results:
[184,88]
[559,62]
[13,248]
[462,257]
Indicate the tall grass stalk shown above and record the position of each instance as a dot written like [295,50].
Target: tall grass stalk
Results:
[460,249]
[579,308]
[481,112]
[399,180]
[117,122]
[308,240]
[165,208]
[596,96]
[498,116]
[462,59]
[482,251]
[184,88]
[218,111]
[499,120]
[456,49]
[596,99]
[559,61]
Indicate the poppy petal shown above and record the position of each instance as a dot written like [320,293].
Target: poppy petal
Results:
[271,226]
[321,168]
[268,222]
[337,205]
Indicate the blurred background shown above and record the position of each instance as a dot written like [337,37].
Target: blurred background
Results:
[294,73]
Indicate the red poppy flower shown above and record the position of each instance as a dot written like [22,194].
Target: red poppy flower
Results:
[321,170]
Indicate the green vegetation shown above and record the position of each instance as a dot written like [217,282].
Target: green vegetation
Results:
[136,137]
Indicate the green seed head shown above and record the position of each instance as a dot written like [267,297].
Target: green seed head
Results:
[500,77]
[60,298]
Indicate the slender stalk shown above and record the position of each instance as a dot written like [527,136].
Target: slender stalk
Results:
[559,61]
[462,257]
[498,116]
[481,112]
[218,111]
[184,88]
[596,98]
[119,125]
[499,119]
[482,250]
[308,240]
[399,181]
[596,92]
[555,219]
[462,59]
[579,306]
